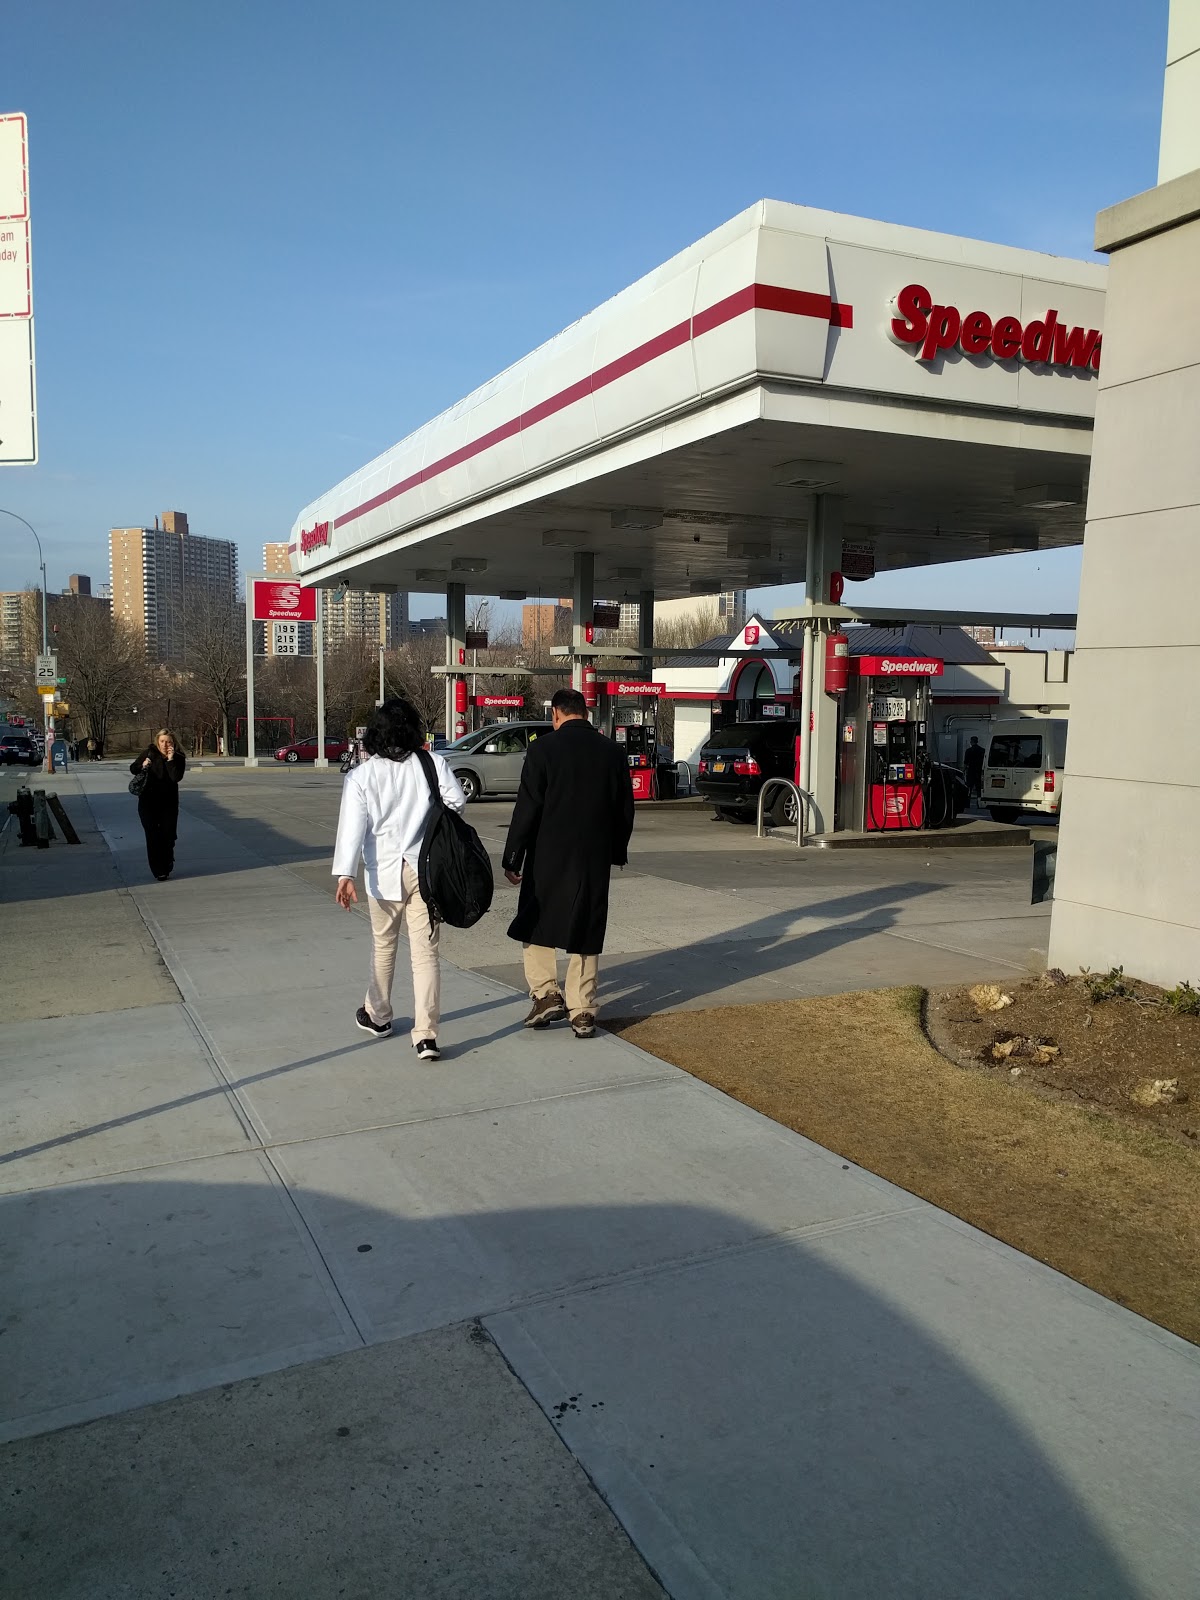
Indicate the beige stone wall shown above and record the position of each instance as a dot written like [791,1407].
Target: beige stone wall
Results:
[1128,882]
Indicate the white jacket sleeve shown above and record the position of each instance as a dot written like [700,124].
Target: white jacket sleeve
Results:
[449,785]
[352,827]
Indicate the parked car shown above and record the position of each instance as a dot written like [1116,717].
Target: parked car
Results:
[490,761]
[1024,768]
[736,761]
[306,749]
[18,749]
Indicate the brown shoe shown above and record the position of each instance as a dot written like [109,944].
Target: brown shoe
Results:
[584,1025]
[550,1008]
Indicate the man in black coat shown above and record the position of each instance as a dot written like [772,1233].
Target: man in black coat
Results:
[570,827]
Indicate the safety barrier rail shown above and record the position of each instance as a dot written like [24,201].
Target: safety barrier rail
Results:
[691,785]
[805,804]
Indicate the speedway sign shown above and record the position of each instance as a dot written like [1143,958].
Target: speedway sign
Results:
[283,600]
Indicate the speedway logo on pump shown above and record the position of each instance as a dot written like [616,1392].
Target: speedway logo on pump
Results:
[283,600]
[899,667]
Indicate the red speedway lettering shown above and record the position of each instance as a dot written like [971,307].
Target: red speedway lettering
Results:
[312,538]
[934,328]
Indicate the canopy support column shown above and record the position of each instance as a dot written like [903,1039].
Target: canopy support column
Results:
[583,605]
[456,658]
[819,727]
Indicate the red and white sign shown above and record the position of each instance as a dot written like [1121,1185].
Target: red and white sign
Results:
[898,667]
[283,600]
[313,538]
[623,691]
[499,699]
[932,328]
[750,633]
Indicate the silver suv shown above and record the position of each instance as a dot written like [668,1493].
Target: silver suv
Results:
[490,761]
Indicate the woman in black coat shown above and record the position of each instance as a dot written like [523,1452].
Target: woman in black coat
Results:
[163,762]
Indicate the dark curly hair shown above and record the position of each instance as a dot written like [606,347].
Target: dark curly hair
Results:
[395,730]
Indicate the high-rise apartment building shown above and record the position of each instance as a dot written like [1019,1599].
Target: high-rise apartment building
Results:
[378,619]
[159,573]
[730,608]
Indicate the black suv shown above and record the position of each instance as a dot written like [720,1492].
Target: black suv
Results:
[18,747]
[735,763]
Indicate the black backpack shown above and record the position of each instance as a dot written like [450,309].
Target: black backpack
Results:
[454,870]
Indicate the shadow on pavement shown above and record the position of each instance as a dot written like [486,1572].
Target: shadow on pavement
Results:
[802,1436]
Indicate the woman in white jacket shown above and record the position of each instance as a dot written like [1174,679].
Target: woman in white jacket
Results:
[385,810]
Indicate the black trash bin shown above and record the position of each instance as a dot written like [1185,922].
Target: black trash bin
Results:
[668,782]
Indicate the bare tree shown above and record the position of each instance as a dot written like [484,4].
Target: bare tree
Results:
[410,670]
[350,685]
[216,654]
[104,662]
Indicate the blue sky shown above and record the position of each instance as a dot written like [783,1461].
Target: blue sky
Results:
[270,240]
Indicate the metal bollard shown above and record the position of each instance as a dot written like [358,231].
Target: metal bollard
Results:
[41,818]
[22,809]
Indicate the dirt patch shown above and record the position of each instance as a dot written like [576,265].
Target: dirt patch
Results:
[1105,1042]
[1111,1203]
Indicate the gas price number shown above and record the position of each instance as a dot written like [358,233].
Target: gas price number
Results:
[889,708]
[286,638]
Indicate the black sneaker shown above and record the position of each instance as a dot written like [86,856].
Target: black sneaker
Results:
[427,1050]
[379,1029]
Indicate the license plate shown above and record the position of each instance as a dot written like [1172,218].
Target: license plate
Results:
[718,766]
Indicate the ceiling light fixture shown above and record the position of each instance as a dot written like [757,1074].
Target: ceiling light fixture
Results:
[636,519]
[431,574]
[807,474]
[1048,496]
[567,538]
[468,564]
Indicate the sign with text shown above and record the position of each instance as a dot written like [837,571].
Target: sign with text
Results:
[283,600]
[477,639]
[285,638]
[899,667]
[47,671]
[606,615]
[858,561]
[485,700]
[622,690]
[18,387]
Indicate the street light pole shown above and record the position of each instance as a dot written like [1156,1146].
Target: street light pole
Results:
[47,700]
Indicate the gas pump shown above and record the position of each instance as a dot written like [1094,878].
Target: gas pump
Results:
[634,728]
[886,766]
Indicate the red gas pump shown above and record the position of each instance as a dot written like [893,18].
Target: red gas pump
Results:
[885,765]
[634,728]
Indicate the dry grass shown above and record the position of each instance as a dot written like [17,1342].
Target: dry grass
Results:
[1111,1205]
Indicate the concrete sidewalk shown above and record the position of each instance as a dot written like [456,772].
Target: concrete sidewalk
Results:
[784,1376]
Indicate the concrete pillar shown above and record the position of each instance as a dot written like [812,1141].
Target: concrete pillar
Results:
[456,648]
[646,632]
[818,748]
[1127,883]
[583,601]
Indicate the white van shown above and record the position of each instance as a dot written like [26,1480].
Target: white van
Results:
[1024,768]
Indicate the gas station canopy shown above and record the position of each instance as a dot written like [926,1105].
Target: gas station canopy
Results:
[939,389]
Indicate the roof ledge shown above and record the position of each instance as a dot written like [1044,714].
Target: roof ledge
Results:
[1157,210]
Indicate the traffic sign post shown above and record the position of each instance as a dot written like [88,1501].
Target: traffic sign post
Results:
[18,386]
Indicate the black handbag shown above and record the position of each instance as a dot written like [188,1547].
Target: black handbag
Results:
[139,781]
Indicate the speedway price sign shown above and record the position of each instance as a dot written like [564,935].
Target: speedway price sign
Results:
[283,600]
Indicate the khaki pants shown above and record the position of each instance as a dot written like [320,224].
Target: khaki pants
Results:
[386,917]
[583,972]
